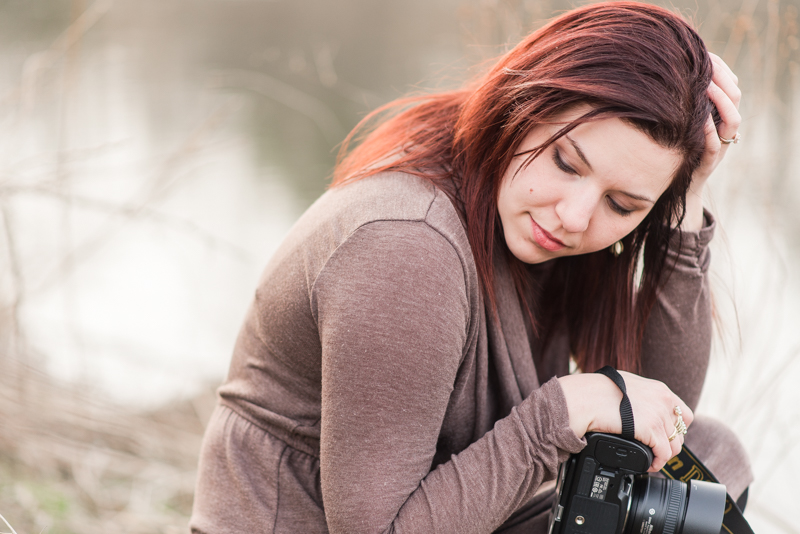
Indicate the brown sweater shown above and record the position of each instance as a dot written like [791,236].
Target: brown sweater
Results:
[369,391]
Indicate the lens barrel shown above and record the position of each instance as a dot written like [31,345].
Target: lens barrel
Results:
[664,506]
[657,506]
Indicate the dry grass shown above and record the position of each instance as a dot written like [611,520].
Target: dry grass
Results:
[70,462]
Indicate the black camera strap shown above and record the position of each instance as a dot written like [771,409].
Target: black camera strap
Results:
[685,466]
[625,410]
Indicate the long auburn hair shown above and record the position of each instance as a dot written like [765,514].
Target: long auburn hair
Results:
[637,62]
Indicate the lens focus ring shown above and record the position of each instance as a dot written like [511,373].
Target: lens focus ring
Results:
[674,507]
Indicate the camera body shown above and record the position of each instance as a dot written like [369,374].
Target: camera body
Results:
[595,486]
[604,489]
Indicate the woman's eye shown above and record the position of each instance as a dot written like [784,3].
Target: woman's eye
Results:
[561,164]
[617,208]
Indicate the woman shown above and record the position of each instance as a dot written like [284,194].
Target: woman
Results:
[404,365]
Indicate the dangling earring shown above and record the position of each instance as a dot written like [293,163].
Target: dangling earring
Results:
[616,249]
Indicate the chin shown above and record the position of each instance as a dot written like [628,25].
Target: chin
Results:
[531,254]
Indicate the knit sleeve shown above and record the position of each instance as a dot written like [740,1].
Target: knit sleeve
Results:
[393,316]
[677,341]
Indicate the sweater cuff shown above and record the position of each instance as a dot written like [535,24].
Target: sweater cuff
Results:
[547,419]
[690,249]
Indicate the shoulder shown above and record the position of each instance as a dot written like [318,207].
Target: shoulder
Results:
[390,228]
[386,197]
[383,196]
[387,207]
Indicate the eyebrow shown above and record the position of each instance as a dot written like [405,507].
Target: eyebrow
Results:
[636,197]
[582,156]
[579,151]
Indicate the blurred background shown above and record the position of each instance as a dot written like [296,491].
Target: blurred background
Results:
[154,152]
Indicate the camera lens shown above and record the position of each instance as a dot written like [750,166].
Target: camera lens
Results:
[663,506]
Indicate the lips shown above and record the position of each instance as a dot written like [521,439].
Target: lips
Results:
[543,238]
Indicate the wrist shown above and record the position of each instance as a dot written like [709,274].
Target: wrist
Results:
[592,403]
[693,217]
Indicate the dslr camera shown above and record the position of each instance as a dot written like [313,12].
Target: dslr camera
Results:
[604,489]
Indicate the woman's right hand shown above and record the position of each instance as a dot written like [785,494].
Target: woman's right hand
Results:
[593,405]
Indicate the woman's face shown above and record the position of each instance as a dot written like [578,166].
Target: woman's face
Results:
[586,191]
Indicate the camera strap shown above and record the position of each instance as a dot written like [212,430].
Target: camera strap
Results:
[685,466]
[625,410]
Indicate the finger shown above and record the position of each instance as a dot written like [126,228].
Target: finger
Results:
[726,82]
[665,450]
[728,112]
[662,452]
[682,414]
[670,433]
[687,413]
[718,61]
[676,445]
[681,410]
[713,144]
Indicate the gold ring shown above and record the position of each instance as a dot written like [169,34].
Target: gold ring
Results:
[680,426]
[674,434]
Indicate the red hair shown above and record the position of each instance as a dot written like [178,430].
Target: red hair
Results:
[640,63]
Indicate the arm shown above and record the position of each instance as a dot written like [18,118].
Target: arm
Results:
[677,340]
[725,95]
[394,316]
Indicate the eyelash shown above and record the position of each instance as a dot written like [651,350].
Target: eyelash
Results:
[617,208]
[561,164]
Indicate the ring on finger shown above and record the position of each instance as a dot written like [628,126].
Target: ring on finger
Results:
[680,425]
[674,434]
[733,140]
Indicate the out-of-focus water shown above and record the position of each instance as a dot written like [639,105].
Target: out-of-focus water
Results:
[155,152]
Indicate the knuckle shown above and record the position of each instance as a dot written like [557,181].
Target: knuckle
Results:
[655,426]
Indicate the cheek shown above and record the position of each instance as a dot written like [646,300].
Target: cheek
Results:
[622,226]
[539,191]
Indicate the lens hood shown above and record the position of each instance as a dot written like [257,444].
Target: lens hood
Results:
[705,509]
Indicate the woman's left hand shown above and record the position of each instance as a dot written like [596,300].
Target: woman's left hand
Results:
[725,94]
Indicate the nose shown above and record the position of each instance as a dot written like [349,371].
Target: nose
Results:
[576,207]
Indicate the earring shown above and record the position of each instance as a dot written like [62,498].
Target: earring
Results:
[616,249]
